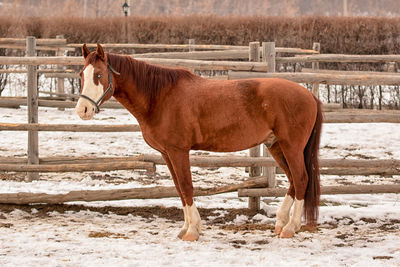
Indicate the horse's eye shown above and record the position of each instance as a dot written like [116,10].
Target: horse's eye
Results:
[99,76]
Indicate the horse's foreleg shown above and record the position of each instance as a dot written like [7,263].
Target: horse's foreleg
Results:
[171,169]
[181,166]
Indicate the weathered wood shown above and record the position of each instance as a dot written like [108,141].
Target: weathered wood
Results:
[166,192]
[208,65]
[362,117]
[348,72]
[370,170]
[254,203]
[327,107]
[62,75]
[60,80]
[289,50]
[79,167]
[254,52]
[183,63]
[325,190]
[299,51]
[38,48]
[38,71]
[192,43]
[22,41]
[162,46]
[68,127]
[268,56]
[328,166]
[41,61]
[16,101]
[120,194]
[61,95]
[315,66]
[325,78]
[340,58]
[32,103]
[198,55]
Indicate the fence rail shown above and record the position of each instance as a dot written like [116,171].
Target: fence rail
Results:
[322,78]
[81,164]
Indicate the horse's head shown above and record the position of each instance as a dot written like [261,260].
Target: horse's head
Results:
[96,82]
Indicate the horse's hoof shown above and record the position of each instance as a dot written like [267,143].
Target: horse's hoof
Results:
[278,230]
[190,237]
[182,233]
[286,234]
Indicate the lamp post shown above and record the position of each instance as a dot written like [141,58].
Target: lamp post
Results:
[125,9]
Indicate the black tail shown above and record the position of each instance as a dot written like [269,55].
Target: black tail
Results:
[313,191]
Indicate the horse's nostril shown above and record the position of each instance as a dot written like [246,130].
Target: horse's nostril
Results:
[85,109]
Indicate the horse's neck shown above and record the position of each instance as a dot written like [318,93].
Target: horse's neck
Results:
[133,105]
[136,104]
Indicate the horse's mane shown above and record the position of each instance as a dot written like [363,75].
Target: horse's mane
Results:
[149,79]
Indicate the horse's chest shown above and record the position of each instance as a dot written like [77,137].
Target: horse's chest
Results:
[153,141]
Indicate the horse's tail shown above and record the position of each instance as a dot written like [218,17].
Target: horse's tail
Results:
[313,191]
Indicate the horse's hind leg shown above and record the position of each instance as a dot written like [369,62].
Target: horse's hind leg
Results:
[295,161]
[283,213]
[171,169]
[181,166]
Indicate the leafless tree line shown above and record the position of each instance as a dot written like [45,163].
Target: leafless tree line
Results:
[110,8]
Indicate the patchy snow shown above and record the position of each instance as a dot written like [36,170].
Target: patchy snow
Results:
[356,230]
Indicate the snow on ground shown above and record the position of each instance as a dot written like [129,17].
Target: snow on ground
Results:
[354,230]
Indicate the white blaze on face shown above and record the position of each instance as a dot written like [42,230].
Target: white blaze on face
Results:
[84,108]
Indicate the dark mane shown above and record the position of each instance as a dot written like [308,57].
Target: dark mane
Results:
[149,79]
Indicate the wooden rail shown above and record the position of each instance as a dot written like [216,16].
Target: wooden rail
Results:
[213,64]
[78,167]
[288,50]
[41,41]
[17,101]
[68,127]
[121,194]
[325,190]
[340,58]
[184,63]
[330,166]
[330,117]
[212,55]
[324,78]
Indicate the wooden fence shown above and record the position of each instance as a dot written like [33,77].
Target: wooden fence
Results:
[262,63]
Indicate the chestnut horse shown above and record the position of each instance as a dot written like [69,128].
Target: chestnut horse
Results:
[178,111]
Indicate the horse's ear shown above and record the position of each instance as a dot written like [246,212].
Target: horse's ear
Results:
[85,51]
[100,52]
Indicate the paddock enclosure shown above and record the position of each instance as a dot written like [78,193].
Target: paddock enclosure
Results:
[256,60]
[93,193]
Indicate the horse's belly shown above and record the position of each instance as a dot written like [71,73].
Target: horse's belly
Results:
[221,141]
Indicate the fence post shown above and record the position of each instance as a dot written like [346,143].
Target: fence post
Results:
[32,92]
[191,45]
[269,54]
[315,66]
[254,202]
[60,81]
